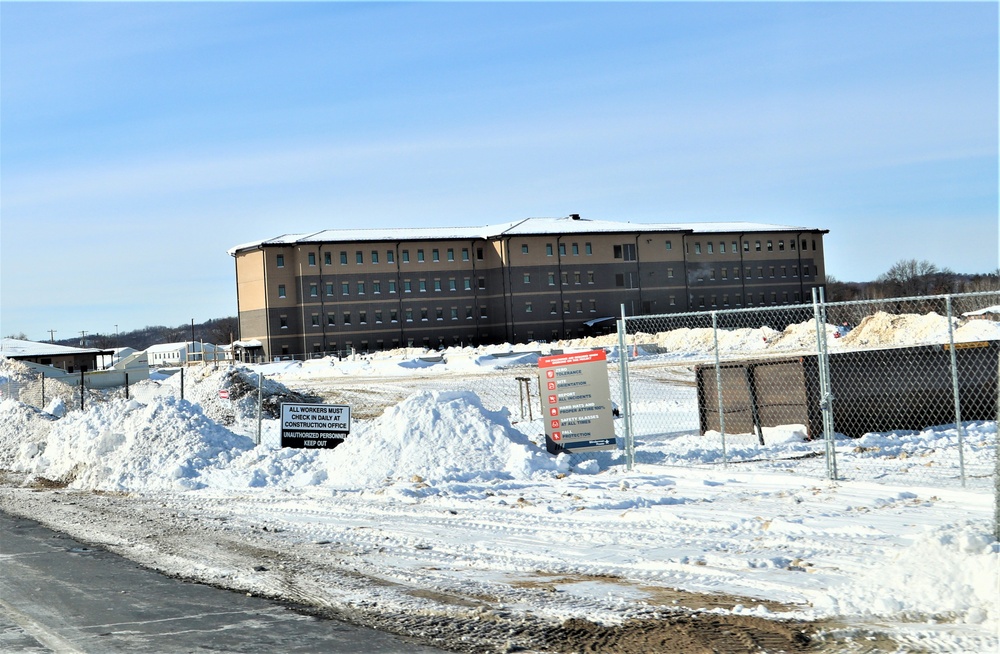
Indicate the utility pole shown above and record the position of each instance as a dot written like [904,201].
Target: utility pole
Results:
[83,339]
[52,336]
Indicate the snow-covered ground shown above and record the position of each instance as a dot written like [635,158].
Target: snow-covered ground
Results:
[446,495]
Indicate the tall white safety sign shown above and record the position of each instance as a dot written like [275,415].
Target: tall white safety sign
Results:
[576,402]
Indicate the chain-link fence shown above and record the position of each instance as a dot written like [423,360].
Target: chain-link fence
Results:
[901,390]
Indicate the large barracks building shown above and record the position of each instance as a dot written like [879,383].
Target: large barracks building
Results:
[303,295]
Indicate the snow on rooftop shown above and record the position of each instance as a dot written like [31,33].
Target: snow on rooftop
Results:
[12,347]
[528,226]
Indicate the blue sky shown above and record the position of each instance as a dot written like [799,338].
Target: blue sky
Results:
[140,141]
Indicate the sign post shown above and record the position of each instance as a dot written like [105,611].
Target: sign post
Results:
[314,425]
[576,402]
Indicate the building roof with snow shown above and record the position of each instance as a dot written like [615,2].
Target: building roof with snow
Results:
[572,224]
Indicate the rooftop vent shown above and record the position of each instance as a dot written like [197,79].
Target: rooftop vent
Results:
[574,216]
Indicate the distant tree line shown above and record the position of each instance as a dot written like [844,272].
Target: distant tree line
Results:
[911,278]
[220,331]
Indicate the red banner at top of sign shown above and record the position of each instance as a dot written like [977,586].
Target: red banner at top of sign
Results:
[571,359]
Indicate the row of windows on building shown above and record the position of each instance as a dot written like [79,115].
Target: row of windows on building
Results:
[712,301]
[626,280]
[379,315]
[757,246]
[626,251]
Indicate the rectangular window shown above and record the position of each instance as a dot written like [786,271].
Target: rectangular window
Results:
[781,246]
[795,271]
[711,248]
[725,273]
[527,278]
[588,248]
[283,322]
[377,287]
[736,272]
[347,317]
[722,247]
[760,272]
[280,260]
[420,255]
[479,254]
[343,258]
[405,254]
[735,249]
[562,249]
[363,317]
[392,285]
[482,312]
[770,246]
[552,279]
[407,287]
[527,307]
[312,258]
[435,255]
[670,245]
[465,254]
[390,256]
[361,288]
[327,258]
[564,278]
[548,249]
[771,271]
[593,306]
[670,273]
[791,244]
[329,289]
[576,277]
[281,290]
[359,257]
[437,284]
[374,256]
[378,316]
[579,306]
[524,248]
[552,307]
[467,284]
[590,276]
[393,315]
[314,290]
[454,313]
[345,288]
[482,282]
[468,313]
[711,274]
[451,254]
[784,271]
[576,249]
[451,284]
[756,246]
[439,313]
[330,320]
[422,285]
[748,273]
[409,315]
[746,246]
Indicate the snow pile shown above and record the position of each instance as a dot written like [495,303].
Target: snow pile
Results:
[123,445]
[22,429]
[949,573]
[436,436]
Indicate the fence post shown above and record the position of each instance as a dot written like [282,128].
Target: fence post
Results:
[126,385]
[83,379]
[954,390]
[182,383]
[43,391]
[260,403]
[996,467]
[626,396]
[718,387]
[823,368]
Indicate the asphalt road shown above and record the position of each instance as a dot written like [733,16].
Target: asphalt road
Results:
[60,595]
